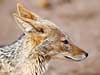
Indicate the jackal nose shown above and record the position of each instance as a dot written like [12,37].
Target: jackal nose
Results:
[86,54]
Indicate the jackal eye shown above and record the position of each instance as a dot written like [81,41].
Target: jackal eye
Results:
[65,41]
[41,30]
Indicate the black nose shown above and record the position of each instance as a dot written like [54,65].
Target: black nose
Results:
[86,54]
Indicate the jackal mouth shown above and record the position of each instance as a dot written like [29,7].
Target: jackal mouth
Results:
[77,57]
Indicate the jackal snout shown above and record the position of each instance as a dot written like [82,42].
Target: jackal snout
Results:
[76,53]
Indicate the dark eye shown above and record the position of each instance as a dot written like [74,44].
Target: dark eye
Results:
[40,30]
[65,41]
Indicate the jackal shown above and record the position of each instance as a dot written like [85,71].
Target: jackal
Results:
[41,41]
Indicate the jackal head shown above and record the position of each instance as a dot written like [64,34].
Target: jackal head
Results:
[52,41]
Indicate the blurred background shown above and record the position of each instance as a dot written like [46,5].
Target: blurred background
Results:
[80,19]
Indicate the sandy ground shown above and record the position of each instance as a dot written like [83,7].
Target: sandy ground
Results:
[80,19]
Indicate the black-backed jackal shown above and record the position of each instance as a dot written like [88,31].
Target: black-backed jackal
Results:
[42,40]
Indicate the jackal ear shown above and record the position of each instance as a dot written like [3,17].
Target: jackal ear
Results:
[23,12]
[23,23]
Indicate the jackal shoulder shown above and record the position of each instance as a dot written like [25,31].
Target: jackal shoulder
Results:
[9,52]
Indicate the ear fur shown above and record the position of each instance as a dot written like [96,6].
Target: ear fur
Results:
[23,23]
[23,12]
[25,19]
[29,21]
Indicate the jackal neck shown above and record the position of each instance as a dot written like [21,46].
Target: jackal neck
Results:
[31,61]
[33,65]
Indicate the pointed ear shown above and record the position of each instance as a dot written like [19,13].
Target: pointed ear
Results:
[26,13]
[23,23]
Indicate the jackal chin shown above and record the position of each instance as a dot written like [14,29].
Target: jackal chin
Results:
[76,57]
